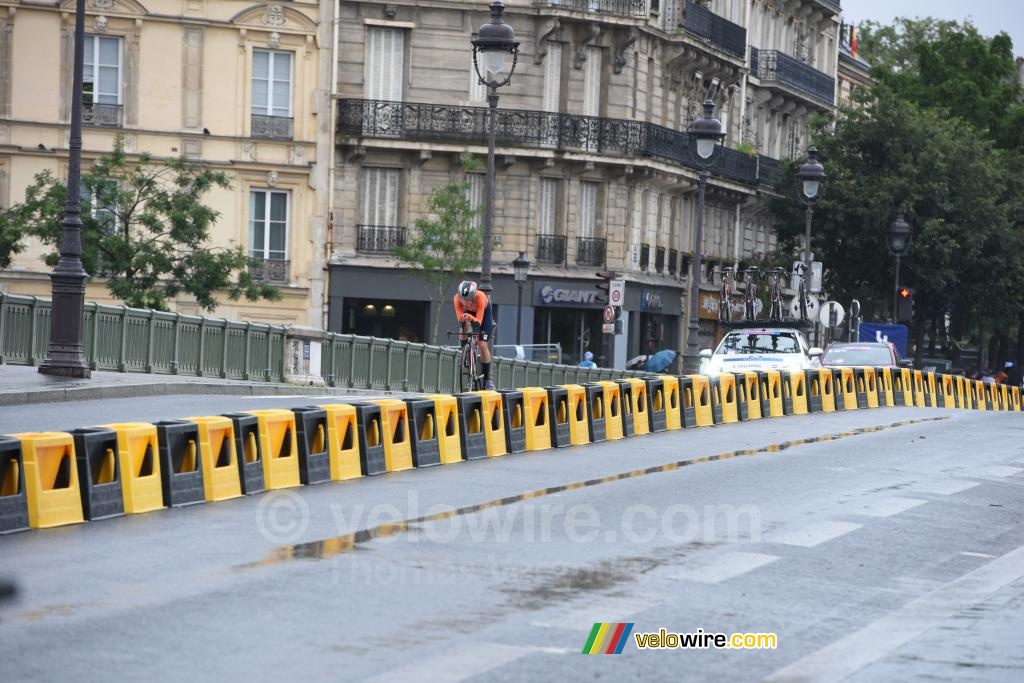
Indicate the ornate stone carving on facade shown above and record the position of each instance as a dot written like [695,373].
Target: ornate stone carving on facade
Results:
[390,11]
[100,24]
[248,151]
[628,39]
[103,4]
[275,16]
[272,179]
[274,39]
[591,34]
[547,30]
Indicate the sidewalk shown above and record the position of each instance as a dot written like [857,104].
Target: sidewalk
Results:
[20,384]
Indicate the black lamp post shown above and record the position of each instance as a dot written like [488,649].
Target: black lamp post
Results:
[900,235]
[496,47]
[65,355]
[811,173]
[519,269]
[706,133]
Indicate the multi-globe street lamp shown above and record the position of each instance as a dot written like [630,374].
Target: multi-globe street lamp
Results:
[520,267]
[811,174]
[495,52]
[706,134]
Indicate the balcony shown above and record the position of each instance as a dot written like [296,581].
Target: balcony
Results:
[273,271]
[551,248]
[535,129]
[590,251]
[379,239]
[768,171]
[673,261]
[772,66]
[103,115]
[619,8]
[659,259]
[645,256]
[831,6]
[703,23]
[271,127]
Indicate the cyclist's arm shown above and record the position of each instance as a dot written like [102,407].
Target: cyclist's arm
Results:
[459,311]
[481,306]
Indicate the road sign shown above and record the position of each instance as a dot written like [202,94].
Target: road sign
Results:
[617,292]
[826,313]
[609,315]
[608,328]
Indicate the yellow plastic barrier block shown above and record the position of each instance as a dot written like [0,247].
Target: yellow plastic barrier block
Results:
[963,393]
[906,387]
[727,397]
[948,393]
[978,394]
[751,394]
[848,388]
[871,387]
[771,393]
[797,382]
[641,423]
[673,406]
[920,401]
[1005,391]
[827,387]
[702,400]
[579,433]
[280,447]
[931,396]
[51,479]
[494,424]
[1015,399]
[138,451]
[394,417]
[219,461]
[886,396]
[613,410]
[446,410]
[343,441]
[538,430]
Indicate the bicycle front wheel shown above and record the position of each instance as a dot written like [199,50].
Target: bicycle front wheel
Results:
[467,369]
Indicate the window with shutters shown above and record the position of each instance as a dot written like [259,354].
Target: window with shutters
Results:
[553,78]
[268,225]
[271,94]
[588,209]
[102,81]
[477,90]
[550,243]
[384,64]
[475,197]
[379,197]
[592,82]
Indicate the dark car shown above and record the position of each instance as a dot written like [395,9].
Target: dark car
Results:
[873,354]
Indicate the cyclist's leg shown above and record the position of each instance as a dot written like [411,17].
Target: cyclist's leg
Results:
[485,348]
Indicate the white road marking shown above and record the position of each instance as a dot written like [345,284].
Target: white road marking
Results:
[811,535]
[848,655]
[607,609]
[888,506]
[977,554]
[722,567]
[456,665]
[943,487]
[996,471]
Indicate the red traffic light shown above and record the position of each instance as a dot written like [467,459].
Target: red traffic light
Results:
[904,293]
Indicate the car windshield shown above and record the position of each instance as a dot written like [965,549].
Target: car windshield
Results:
[857,355]
[765,341]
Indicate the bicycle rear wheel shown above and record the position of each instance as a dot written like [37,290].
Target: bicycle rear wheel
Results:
[467,369]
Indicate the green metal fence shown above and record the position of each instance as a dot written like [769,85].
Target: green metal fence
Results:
[135,340]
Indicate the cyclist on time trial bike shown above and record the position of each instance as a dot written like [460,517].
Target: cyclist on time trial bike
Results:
[472,308]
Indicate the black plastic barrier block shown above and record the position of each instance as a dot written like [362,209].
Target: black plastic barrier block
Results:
[597,412]
[880,375]
[716,399]
[687,402]
[928,390]
[657,410]
[626,407]
[742,400]
[558,412]
[513,414]
[248,452]
[13,501]
[837,388]
[764,391]
[99,472]
[181,464]
[426,447]
[370,427]
[860,383]
[314,451]
[812,381]
[897,386]
[471,426]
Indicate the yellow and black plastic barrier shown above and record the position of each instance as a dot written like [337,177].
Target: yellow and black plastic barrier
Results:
[423,429]
[221,475]
[314,444]
[249,451]
[446,414]
[627,404]
[725,387]
[656,409]
[883,382]
[871,384]
[99,477]
[848,389]
[697,409]
[279,447]
[181,468]
[861,387]
[750,395]
[597,427]
[394,418]
[796,383]
[13,500]
[931,397]
[771,388]
[138,453]
[51,479]
[538,422]
[812,379]
[614,428]
[673,404]
[579,429]
[471,426]
[514,417]
[948,391]
[494,423]
[920,400]
[638,404]
[558,416]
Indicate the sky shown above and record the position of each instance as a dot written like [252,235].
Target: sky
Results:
[990,16]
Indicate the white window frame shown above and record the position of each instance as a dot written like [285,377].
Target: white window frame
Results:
[547,208]
[271,105]
[552,98]
[366,201]
[371,68]
[268,193]
[91,58]
[475,197]
[590,193]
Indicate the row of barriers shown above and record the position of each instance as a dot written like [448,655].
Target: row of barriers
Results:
[55,478]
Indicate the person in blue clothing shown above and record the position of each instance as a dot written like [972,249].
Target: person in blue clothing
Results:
[588,360]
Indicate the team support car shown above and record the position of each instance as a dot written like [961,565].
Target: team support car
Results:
[873,354]
[761,348]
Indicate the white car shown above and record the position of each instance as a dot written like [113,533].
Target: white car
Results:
[761,348]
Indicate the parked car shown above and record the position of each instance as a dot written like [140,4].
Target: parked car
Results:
[873,354]
[761,348]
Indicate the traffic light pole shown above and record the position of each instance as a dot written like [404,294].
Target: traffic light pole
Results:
[896,292]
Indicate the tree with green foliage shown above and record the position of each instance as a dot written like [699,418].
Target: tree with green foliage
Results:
[11,237]
[145,230]
[447,242]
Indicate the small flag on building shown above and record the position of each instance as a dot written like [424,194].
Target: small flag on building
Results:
[853,40]
[607,638]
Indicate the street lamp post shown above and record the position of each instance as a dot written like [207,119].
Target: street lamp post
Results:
[494,45]
[811,173]
[65,354]
[706,133]
[899,244]
[519,269]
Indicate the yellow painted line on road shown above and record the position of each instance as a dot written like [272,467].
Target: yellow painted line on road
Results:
[336,545]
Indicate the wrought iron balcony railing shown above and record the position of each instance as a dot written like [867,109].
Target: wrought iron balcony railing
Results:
[703,23]
[768,171]
[551,248]
[775,66]
[98,114]
[271,127]
[621,8]
[831,5]
[659,259]
[539,129]
[590,251]
[673,261]
[270,270]
[645,256]
[379,239]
